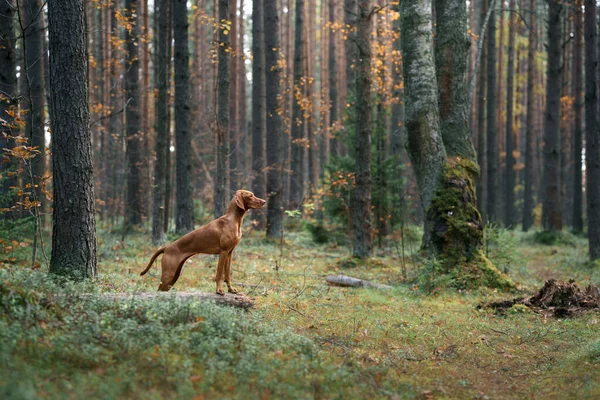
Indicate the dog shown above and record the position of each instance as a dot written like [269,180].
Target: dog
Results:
[220,236]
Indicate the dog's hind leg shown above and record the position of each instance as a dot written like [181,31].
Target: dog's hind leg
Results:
[169,264]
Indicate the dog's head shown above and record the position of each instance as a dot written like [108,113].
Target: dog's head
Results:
[246,200]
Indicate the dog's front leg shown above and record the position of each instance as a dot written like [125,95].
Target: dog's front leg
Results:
[230,288]
[221,270]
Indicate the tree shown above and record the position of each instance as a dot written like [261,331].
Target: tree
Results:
[299,90]
[133,207]
[509,178]
[492,146]
[274,122]
[234,136]
[33,28]
[333,81]
[551,212]
[592,130]
[74,226]
[162,10]
[578,111]
[8,90]
[362,218]
[258,106]
[221,175]
[184,215]
[529,135]
[453,228]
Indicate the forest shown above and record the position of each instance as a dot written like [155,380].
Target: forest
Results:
[411,188]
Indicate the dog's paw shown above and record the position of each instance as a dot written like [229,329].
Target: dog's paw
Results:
[232,289]
[221,292]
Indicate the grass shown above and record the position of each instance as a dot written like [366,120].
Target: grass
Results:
[303,339]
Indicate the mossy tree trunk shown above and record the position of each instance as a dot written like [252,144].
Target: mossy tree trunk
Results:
[439,141]
[222,173]
[529,134]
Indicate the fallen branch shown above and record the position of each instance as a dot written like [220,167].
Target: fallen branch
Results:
[229,299]
[348,281]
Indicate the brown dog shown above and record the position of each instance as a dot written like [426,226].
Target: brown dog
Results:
[217,237]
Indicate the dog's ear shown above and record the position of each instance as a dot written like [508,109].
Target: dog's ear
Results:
[239,200]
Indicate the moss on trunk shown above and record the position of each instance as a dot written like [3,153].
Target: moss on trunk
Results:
[456,235]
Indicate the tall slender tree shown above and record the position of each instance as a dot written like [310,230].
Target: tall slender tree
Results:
[258,106]
[8,92]
[551,212]
[578,116]
[333,80]
[509,175]
[133,206]
[298,146]
[35,97]
[184,214]
[362,218]
[234,136]
[74,226]
[222,173]
[492,146]
[592,129]
[529,134]
[162,10]
[273,122]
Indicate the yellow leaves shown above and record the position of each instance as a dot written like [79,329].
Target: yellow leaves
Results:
[23,152]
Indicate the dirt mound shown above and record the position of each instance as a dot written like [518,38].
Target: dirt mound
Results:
[559,299]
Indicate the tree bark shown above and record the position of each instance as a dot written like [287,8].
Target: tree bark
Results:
[74,226]
[162,10]
[35,96]
[551,212]
[8,100]
[299,90]
[222,174]
[578,116]
[530,134]
[234,137]
[184,215]
[362,218]
[273,122]
[258,107]
[425,145]
[132,115]
[492,146]
[481,184]
[335,143]
[592,130]
[509,179]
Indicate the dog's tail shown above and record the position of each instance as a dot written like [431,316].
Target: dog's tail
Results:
[158,252]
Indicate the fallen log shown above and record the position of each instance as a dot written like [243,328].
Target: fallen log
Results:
[348,281]
[228,299]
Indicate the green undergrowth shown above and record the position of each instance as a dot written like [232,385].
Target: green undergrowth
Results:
[303,339]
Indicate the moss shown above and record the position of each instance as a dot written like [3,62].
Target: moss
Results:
[456,230]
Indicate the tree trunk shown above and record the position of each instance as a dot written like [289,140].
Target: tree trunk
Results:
[492,146]
[258,107]
[274,122]
[299,90]
[234,137]
[74,228]
[222,174]
[509,178]
[242,109]
[35,96]
[8,99]
[162,10]
[362,218]
[578,116]
[530,135]
[335,143]
[184,215]
[453,228]
[481,184]
[592,130]
[133,207]
[552,210]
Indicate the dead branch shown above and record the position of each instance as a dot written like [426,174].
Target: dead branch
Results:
[348,281]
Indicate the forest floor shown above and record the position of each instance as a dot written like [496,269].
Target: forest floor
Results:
[303,338]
